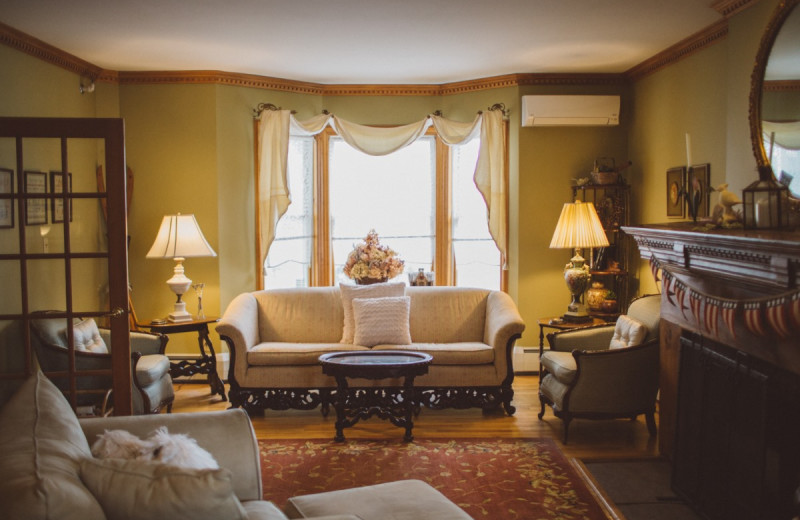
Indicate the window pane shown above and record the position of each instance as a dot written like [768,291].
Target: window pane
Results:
[392,194]
[477,258]
[289,257]
[785,163]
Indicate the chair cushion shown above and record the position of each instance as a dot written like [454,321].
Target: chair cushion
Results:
[350,292]
[561,364]
[135,489]
[87,337]
[400,499]
[151,368]
[41,446]
[381,320]
[627,333]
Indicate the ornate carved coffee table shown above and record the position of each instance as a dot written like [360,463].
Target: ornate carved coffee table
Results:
[397,404]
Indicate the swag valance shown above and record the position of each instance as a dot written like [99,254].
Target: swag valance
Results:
[276,126]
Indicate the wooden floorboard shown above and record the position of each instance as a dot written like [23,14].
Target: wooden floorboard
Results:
[596,440]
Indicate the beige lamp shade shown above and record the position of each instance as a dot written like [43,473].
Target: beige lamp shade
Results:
[179,237]
[578,226]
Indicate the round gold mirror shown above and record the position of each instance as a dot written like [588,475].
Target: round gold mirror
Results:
[775,99]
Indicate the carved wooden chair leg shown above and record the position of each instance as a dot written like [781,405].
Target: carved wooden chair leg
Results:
[541,401]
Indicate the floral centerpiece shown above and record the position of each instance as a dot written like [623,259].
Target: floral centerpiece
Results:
[372,262]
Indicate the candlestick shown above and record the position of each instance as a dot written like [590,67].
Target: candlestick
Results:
[688,150]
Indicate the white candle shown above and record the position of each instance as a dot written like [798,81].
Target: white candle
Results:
[688,150]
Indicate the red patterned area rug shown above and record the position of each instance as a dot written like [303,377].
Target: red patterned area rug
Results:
[528,479]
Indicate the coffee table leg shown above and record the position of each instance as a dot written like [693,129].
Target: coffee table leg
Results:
[408,398]
[341,398]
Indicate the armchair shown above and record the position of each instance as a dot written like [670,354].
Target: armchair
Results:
[152,384]
[605,372]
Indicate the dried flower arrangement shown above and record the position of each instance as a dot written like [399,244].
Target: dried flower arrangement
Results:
[372,262]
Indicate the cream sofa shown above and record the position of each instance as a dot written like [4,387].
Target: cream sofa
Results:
[49,472]
[276,337]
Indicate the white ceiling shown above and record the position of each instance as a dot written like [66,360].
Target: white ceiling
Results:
[363,41]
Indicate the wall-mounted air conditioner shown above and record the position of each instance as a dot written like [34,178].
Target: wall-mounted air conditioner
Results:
[570,110]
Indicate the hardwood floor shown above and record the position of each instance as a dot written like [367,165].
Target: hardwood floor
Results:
[588,440]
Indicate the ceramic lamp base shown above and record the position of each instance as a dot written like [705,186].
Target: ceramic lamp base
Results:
[179,313]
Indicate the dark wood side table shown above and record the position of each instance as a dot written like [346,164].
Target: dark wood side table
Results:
[397,404]
[207,364]
[555,322]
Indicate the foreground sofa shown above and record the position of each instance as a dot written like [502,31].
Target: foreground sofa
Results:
[276,337]
[49,472]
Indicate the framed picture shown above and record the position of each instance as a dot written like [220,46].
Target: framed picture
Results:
[675,182]
[57,203]
[699,177]
[35,209]
[6,205]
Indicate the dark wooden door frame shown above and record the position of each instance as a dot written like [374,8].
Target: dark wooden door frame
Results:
[112,131]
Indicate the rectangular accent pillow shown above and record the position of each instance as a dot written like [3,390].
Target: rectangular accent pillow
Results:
[135,489]
[380,321]
[627,333]
[349,292]
[87,337]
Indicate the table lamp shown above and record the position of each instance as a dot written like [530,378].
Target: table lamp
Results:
[179,237]
[578,227]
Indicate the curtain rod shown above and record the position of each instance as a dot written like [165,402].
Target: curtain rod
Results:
[269,106]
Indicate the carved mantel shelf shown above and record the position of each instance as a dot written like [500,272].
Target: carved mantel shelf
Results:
[738,287]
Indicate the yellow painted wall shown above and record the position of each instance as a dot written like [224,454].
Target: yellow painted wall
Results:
[191,149]
[707,96]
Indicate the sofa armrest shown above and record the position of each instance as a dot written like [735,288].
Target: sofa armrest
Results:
[587,338]
[228,435]
[503,326]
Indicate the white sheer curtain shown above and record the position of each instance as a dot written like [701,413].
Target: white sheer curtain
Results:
[275,127]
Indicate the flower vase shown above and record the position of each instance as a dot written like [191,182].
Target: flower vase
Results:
[369,281]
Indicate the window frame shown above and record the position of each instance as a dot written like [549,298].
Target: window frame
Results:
[322,268]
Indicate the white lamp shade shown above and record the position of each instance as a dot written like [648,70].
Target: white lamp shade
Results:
[180,237]
[578,226]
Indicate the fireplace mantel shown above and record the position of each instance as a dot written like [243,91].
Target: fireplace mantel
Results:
[750,277]
[730,365]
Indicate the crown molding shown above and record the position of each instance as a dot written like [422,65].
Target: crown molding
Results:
[683,49]
[48,53]
[782,85]
[728,8]
[44,51]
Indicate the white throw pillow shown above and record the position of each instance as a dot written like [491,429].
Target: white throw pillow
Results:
[627,333]
[133,489]
[349,292]
[87,337]
[380,321]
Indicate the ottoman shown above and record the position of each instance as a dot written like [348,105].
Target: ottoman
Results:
[400,500]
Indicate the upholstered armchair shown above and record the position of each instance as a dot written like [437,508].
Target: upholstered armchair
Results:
[152,385]
[604,372]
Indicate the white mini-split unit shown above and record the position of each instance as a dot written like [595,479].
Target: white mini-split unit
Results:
[570,110]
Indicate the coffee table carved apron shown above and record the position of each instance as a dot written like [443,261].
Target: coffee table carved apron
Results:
[395,403]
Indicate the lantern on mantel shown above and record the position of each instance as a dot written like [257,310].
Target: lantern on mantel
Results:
[766,202]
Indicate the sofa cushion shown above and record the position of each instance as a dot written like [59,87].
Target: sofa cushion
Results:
[628,332]
[402,499]
[449,353]
[134,489]
[87,337]
[41,446]
[287,354]
[561,364]
[350,292]
[448,314]
[381,320]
